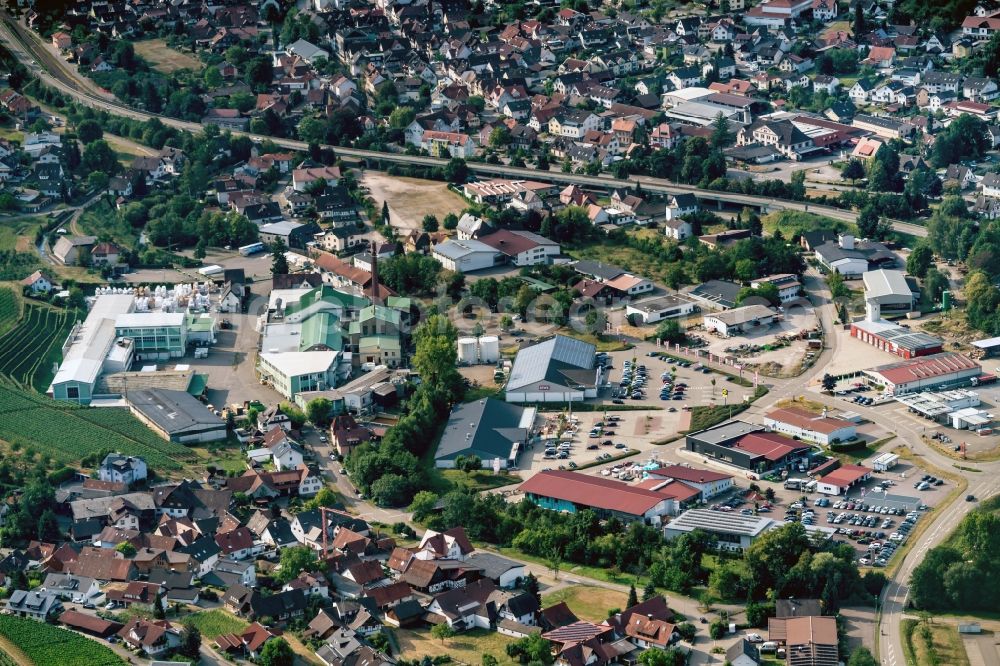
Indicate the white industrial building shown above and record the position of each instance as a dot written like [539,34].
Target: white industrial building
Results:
[466,256]
[937,405]
[482,350]
[290,373]
[970,418]
[731,531]
[887,290]
[809,427]
[657,309]
[739,320]
[885,462]
[555,369]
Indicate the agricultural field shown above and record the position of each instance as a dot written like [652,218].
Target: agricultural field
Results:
[10,309]
[215,623]
[68,432]
[164,59]
[46,645]
[28,351]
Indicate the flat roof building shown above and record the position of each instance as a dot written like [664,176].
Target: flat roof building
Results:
[175,415]
[291,373]
[731,531]
[657,309]
[895,339]
[90,349]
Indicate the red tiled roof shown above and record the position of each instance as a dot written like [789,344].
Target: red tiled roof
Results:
[768,444]
[803,419]
[925,367]
[592,491]
[846,475]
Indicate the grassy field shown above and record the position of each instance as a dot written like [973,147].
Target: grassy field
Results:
[467,647]
[18,233]
[215,623]
[631,259]
[410,199]
[589,603]
[570,569]
[927,644]
[163,58]
[792,222]
[477,481]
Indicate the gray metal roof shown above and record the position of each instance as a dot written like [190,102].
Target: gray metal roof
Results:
[719,522]
[175,412]
[882,283]
[557,359]
[725,432]
[486,428]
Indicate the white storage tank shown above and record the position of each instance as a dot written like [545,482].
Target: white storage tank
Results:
[467,351]
[489,349]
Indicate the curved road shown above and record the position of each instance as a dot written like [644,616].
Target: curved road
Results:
[58,74]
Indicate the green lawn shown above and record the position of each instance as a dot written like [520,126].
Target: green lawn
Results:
[102,219]
[570,569]
[215,623]
[588,602]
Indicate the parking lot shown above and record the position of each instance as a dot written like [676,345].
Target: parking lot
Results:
[690,384]
[874,517]
[581,441]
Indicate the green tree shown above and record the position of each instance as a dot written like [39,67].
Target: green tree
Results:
[456,171]
[670,331]
[429,223]
[853,170]
[423,505]
[319,411]
[294,561]
[126,549]
[920,259]
[279,263]
[442,632]
[721,135]
[190,642]
[489,660]
[89,131]
[276,652]
[98,156]
[829,382]
[530,650]
[296,417]
[862,656]
[633,597]
[657,657]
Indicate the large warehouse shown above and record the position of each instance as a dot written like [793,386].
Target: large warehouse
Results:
[947,369]
[556,369]
[895,339]
[176,415]
[888,290]
[572,491]
[489,429]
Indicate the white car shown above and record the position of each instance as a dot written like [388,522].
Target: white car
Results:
[755,638]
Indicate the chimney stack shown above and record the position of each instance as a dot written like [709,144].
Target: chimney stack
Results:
[375,290]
